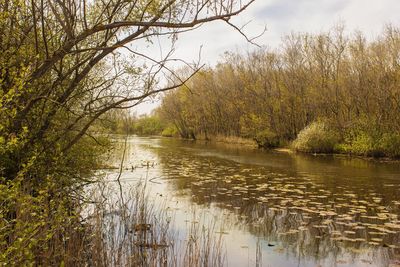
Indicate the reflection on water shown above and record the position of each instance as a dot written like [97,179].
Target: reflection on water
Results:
[297,210]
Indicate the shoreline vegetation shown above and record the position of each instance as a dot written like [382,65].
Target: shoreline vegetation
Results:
[326,93]
[66,66]
[252,144]
[130,228]
[249,143]
[315,139]
[319,93]
[64,82]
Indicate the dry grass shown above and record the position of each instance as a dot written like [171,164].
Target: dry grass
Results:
[127,229]
[234,140]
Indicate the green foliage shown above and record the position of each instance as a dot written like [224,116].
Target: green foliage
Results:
[58,77]
[317,137]
[390,144]
[250,125]
[268,139]
[371,144]
[33,225]
[122,123]
[272,95]
[85,157]
[40,215]
[360,143]
[170,131]
[148,125]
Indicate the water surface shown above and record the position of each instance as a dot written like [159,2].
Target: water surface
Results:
[296,210]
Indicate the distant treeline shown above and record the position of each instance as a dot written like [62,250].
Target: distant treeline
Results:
[122,122]
[330,92]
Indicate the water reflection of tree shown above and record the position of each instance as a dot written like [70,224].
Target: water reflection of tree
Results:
[269,212]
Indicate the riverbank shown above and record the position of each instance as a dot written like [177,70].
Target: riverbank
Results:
[289,149]
[343,156]
[230,140]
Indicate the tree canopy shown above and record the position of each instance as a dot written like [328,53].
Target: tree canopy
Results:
[344,82]
[63,65]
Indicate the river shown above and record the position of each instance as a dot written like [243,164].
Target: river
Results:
[283,208]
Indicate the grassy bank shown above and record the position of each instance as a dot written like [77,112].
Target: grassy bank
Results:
[320,137]
[231,140]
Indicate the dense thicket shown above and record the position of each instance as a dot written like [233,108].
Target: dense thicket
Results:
[61,70]
[348,85]
[125,123]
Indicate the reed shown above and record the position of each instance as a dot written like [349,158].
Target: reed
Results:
[128,229]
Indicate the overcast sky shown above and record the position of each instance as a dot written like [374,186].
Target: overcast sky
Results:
[281,17]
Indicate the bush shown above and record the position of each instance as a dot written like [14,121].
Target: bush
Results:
[267,139]
[362,144]
[371,142]
[390,144]
[148,125]
[170,131]
[316,138]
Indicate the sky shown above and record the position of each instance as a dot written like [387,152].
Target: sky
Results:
[281,17]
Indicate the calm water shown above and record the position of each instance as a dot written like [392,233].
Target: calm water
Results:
[298,210]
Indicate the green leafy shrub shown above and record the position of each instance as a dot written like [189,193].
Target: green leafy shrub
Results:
[363,144]
[267,139]
[371,142]
[316,138]
[170,131]
[148,125]
[390,144]
[40,206]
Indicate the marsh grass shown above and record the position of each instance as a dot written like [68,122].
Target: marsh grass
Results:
[234,140]
[135,230]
